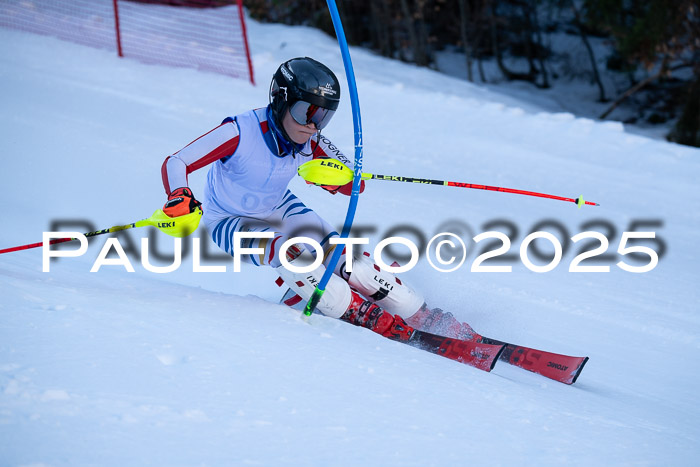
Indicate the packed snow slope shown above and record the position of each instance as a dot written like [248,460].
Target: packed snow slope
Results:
[192,368]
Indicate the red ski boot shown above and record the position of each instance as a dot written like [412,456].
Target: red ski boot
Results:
[438,322]
[364,313]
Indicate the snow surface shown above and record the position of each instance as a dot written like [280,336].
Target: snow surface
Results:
[118,368]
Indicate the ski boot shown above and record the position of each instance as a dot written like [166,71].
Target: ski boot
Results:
[369,315]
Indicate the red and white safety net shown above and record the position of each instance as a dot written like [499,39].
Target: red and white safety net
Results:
[153,31]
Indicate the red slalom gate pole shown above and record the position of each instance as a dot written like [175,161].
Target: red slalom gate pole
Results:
[117,28]
[241,16]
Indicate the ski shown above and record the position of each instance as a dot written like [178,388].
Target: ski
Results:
[481,355]
[562,368]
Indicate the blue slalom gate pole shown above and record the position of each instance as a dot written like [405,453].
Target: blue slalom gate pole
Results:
[357,177]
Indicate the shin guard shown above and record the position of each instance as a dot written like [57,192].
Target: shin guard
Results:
[336,297]
[383,288]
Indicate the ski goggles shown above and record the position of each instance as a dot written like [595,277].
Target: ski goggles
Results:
[304,113]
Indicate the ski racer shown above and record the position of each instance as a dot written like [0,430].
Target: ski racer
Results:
[252,157]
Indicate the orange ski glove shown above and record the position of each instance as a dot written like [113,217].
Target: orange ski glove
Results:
[180,202]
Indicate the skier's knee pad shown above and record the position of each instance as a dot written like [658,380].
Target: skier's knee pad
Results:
[336,297]
[383,288]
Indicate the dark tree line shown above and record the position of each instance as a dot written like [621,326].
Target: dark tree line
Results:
[654,44]
[663,37]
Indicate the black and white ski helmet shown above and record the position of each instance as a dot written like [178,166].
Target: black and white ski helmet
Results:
[303,79]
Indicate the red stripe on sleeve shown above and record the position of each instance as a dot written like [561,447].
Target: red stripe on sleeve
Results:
[226,149]
[164,174]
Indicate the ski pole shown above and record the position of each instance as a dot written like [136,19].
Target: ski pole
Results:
[180,226]
[579,201]
[332,172]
